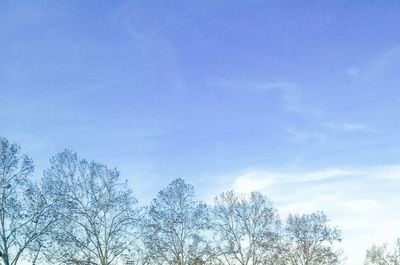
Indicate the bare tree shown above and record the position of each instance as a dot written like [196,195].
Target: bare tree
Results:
[97,211]
[310,240]
[246,228]
[176,227]
[25,214]
[381,255]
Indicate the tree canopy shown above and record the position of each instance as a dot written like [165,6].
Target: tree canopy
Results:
[83,213]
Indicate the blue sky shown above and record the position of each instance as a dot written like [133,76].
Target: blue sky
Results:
[289,97]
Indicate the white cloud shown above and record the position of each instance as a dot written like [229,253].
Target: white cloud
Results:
[362,201]
[388,172]
[255,180]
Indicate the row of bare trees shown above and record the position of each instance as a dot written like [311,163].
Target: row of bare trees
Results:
[80,212]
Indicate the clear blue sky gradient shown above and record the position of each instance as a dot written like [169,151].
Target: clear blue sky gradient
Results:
[203,90]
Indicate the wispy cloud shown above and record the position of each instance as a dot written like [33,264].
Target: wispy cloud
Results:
[294,100]
[322,130]
[362,201]
[377,65]
[297,135]
[349,127]
[263,179]
[290,93]
[76,93]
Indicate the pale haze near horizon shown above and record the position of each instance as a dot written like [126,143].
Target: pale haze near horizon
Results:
[297,99]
